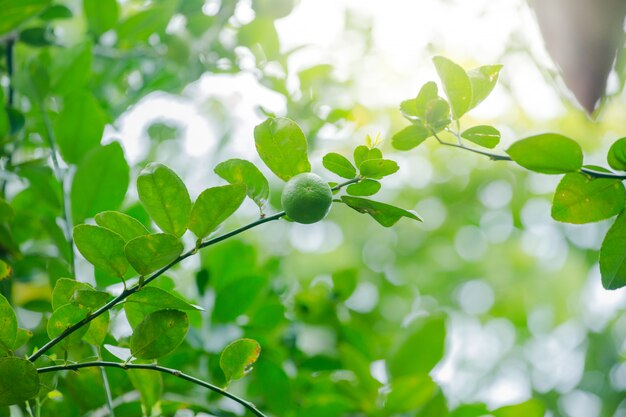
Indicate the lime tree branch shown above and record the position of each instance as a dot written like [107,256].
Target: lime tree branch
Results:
[156,368]
[500,157]
[129,291]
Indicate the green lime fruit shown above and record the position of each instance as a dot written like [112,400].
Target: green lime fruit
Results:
[306,198]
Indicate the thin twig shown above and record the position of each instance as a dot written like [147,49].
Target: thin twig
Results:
[105,384]
[499,157]
[156,368]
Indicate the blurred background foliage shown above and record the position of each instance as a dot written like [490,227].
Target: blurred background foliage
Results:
[503,302]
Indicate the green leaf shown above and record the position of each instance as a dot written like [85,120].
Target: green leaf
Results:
[213,206]
[236,297]
[339,164]
[238,357]
[385,214]
[23,336]
[617,155]
[344,283]
[36,36]
[483,80]
[159,333]
[79,126]
[240,171]
[281,144]
[362,153]
[8,325]
[530,408]
[363,188]
[151,252]
[14,13]
[98,330]
[581,199]
[613,255]
[64,290]
[151,299]
[101,15]
[141,25]
[378,168]
[124,225]
[100,182]
[6,211]
[5,270]
[456,84]
[420,350]
[549,153]
[165,197]
[416,107]
[482,135]
[437,114]
[71,69]
[56,11]
[149,384]
[65,317]
[102,248]
[90,298]
[410,393]
[410,137]
[19,380]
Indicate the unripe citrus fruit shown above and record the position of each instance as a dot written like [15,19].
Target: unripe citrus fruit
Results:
[306,198]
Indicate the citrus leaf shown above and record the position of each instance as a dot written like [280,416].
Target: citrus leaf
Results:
[124,225]
[437,114]
[482,135]
[238,357]
[339,164]
[410,137]
[101,15]
[483,80]
[617,155]
[102,248]
[416,107]
[363,188]
[420,350]
[213,206]
[98,330]
[14,13]
[8,325]
[19,380]
[581,199]
[613,255]
[71,68]
[151,252]
[100,182]
[64,290]
[149,384]
[378,168]
[159,334]
[79,126]
[240,171]
[362,153]
[409,393]
[23,336]
[456,84]
[65,317]
[281,144]
[6,211]
[165,197]
[151,299]
[549,153]
[385,214]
